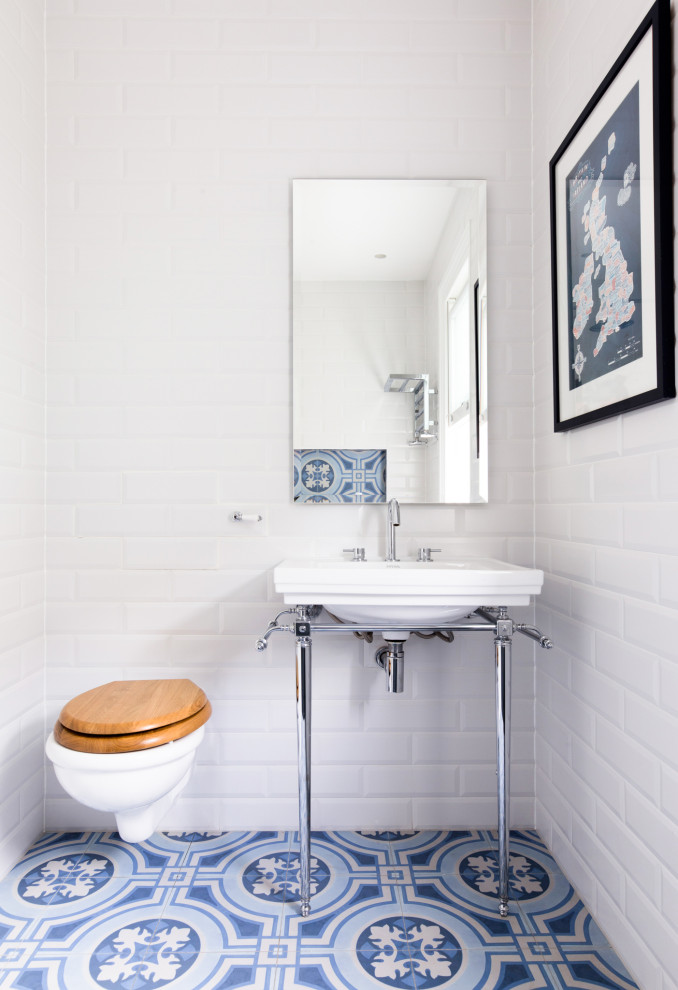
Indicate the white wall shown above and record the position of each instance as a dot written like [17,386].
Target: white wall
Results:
[174,130]
[607,519]
[22,286]
[348,338]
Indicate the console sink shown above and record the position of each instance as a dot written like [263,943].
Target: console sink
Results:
[405,591]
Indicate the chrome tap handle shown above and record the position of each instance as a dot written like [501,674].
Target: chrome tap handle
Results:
[424,553]
[392,520]
[273,626]
[358,553]
[394,512]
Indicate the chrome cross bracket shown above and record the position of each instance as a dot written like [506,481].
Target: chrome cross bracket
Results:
[505,628]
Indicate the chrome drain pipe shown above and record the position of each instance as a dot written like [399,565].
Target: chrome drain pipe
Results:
[391,658]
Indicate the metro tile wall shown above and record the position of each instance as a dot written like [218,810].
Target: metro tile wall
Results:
[607,697]
[22,462]
[174,130]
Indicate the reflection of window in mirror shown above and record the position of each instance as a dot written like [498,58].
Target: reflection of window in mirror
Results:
[460,431]
[458,337]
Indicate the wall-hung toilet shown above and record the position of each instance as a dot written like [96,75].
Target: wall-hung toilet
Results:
[129,747]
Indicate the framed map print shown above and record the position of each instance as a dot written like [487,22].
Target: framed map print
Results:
[612,239]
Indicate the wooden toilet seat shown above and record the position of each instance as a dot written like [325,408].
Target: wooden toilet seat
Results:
[127,716]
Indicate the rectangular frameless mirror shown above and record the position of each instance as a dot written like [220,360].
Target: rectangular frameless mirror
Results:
[390,340]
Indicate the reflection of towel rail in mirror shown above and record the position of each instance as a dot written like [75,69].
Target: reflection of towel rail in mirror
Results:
[418,385]
[406,382]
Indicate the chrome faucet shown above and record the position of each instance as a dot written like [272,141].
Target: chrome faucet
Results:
[393,520]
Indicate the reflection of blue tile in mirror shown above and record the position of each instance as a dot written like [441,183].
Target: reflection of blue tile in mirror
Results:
[340,476]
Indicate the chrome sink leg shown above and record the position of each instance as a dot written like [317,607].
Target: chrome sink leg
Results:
[303,674]
[502,651]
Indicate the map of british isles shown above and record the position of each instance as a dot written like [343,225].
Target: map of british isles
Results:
[603,218]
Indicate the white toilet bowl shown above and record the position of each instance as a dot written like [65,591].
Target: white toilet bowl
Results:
[139,787]
[128,747]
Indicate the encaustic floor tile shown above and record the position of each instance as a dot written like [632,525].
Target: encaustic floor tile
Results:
[215,911]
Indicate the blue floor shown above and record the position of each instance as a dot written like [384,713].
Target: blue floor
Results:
[210,911]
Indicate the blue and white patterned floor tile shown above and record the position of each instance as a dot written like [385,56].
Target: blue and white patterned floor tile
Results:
[220,911]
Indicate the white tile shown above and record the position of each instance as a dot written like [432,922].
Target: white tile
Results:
[659,934]
[122,8]
[113,67]
[123,586]
[651,428]
[597,609]
[633,666]
[234,586]
[442,812]
[122,520]
[668,580]
[350,748]
[594,853]
[122,132]
[170,486]
[172,617]
[668,686]
[650,530]
[627,572]
[165,34]
[595,524]
[251,748]
[669,792]
[629,758]
[598,691]
[573,713]
[480,781]
[74,99]
[573,560]
[420,781]
[454,747]
[172,554]
[571,484]
[174,165]
[650,627]
[627,479]
[210,66]
[84,618]
[88,553]
[654,728]
[650,826]
[144,98]
[223,781]
[644,868]
[80,33]
[593,443]
[552,807]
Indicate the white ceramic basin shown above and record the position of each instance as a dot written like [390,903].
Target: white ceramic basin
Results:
[404,591]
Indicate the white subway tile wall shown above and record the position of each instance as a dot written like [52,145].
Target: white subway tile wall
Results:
[174,131]
[607,708]
[22,463]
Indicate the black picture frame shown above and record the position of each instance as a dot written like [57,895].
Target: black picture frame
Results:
[612,239]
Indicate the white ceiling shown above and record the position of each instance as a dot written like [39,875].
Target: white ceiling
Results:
[340,225]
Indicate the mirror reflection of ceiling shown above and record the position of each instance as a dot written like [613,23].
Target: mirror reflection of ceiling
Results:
[349,225]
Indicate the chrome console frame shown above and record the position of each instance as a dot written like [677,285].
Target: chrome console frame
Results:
[494,620]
